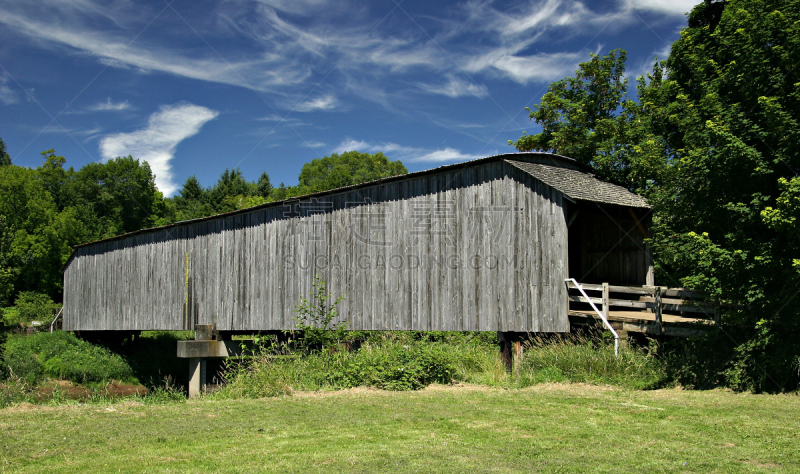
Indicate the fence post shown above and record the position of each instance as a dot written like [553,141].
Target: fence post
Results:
[659,322]
[605,301]
[567,300]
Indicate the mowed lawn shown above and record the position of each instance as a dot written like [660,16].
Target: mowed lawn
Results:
[548,428]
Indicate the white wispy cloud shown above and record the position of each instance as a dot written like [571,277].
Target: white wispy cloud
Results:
[542,67]
[110,106]
[354,145]
[313,144]
[260,72]
[407,153]
[455,88]
[285,46]
[156,143]
[274,118]
[669,7]
[320,103]
[7,94]
[446,155]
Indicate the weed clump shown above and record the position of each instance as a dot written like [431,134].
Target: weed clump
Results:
[13,391]
[167,392]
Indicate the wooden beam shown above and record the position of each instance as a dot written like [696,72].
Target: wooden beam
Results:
[211,349]
[639,224]
[668,331]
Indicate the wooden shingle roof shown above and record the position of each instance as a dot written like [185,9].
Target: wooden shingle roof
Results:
[577,184]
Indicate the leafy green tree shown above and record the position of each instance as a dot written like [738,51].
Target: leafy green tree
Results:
[242,202]
[280,193]
[729,112]
[120,195]
[35,239]
[589,117]
[713,141]
[578,115]
[349,168]
[8,268]
[54,177]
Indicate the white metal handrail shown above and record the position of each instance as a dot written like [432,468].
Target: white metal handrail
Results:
[54,319]
[599,313]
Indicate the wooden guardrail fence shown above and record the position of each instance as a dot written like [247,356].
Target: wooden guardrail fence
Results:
[648,299]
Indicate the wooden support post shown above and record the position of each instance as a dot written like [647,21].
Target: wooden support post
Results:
[510,350]
[566,303]
[659,324]
[517,356]
[505,350]
[605,301]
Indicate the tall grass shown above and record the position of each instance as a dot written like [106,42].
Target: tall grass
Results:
[578,358]
[385,360]
[410,361]
[391,361]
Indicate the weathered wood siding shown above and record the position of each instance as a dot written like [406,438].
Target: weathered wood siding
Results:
[482,248]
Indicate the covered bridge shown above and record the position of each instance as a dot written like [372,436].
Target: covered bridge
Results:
[484,245]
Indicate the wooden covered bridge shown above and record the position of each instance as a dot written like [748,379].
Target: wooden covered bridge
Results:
[485,245]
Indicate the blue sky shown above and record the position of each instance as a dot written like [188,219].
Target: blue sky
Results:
[195,87]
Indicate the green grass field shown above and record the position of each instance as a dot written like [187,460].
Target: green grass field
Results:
[550,428]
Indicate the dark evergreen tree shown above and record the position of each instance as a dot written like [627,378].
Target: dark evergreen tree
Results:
[192,190]
[4,158]
[263,186]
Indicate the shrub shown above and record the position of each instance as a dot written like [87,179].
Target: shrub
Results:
[396,366]
[61,355]
[315,319]
[31,306]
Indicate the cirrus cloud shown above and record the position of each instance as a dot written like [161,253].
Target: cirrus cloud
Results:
[110,106]
[320,103]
